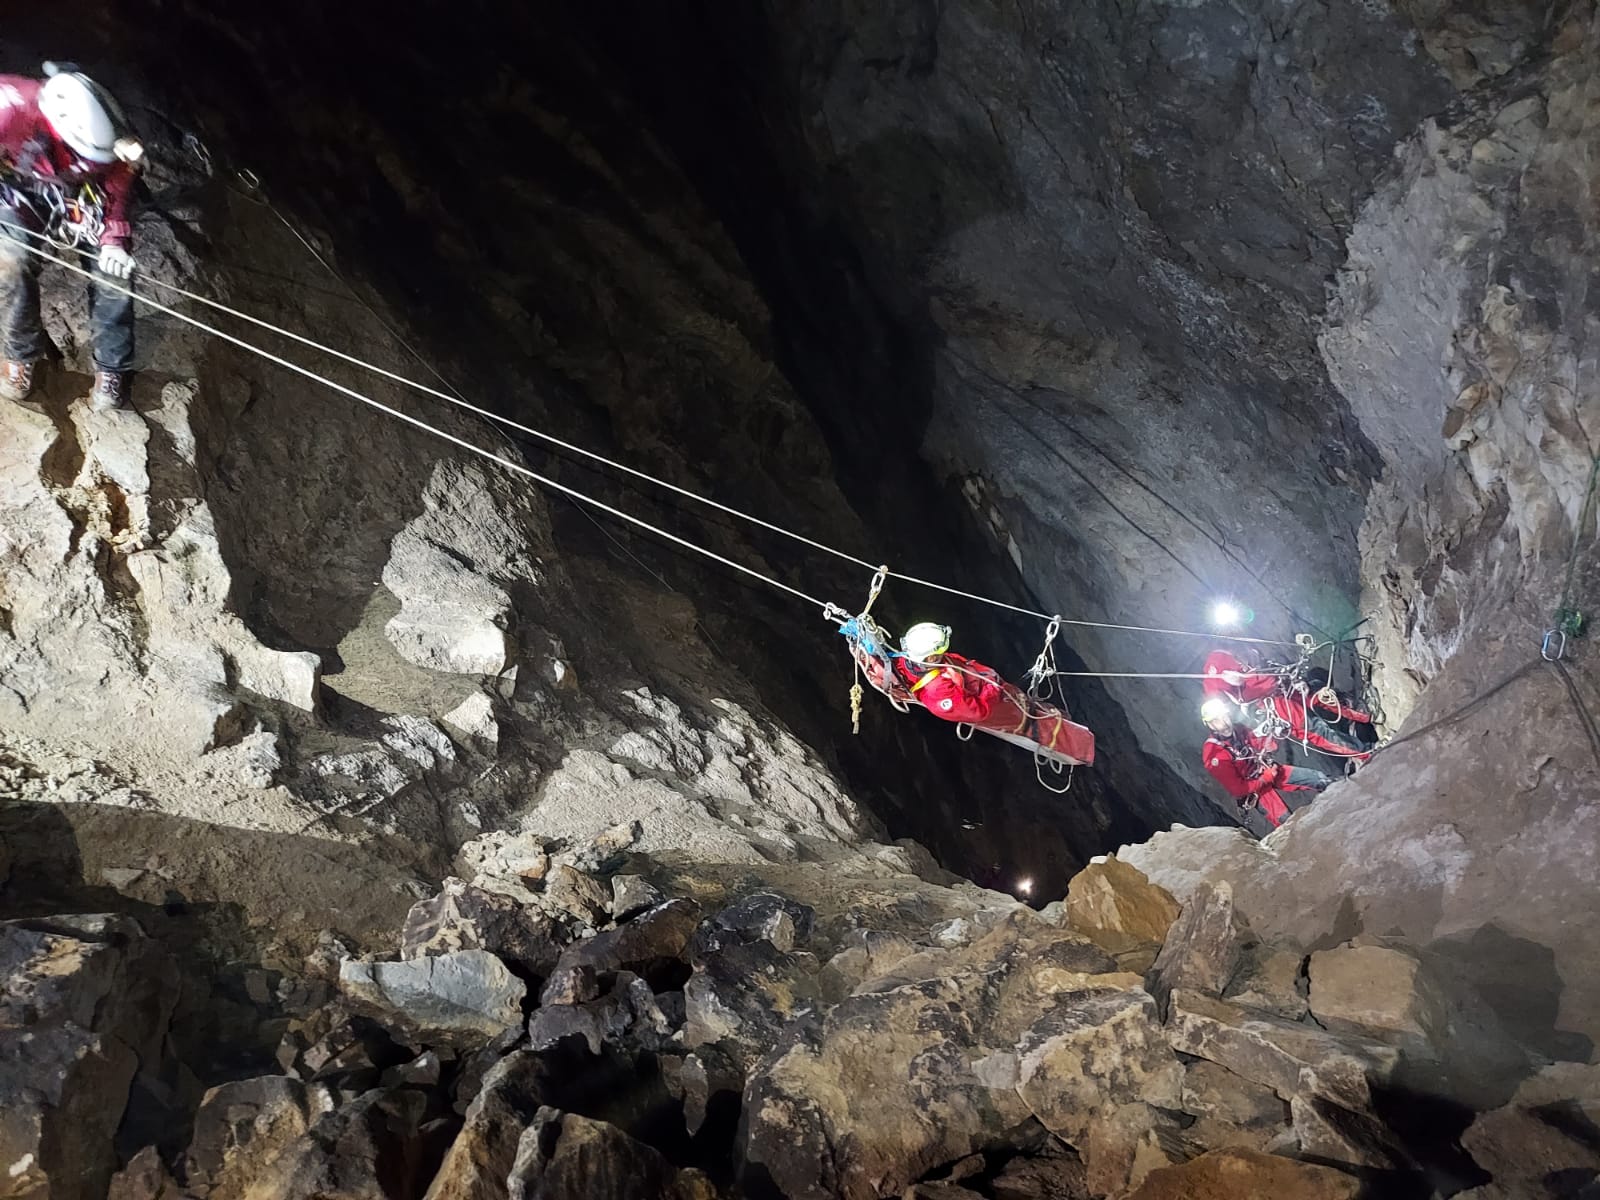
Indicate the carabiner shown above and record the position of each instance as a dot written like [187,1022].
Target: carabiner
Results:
[1550,636]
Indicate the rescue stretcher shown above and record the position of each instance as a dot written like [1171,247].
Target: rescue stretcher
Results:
[1019,718]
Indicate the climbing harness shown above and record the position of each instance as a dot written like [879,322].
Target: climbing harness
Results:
[67,218]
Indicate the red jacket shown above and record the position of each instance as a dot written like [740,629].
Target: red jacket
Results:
[955,688]
[1239,763]
[1227,676]
[29,145]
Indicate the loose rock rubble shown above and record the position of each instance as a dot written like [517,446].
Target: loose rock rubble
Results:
[774,1041]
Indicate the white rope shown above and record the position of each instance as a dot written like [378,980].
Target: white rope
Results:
[593,456]
[460,402]
[104,282]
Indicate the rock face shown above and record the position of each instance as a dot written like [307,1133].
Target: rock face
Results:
[1204,947]
[84,1009]
[465,996]
[1121,911]
[462,917]
[1231,1174]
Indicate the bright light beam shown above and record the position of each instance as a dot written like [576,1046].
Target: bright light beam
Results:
[1025,885]
[1225,614]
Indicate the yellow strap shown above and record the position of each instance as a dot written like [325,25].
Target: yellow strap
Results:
[926,679]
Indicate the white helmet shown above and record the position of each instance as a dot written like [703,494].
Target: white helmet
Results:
[922,641]
[80,113]
[1216,709]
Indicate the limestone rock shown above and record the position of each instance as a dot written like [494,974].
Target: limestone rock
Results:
[1330,1132]
[631,895]
[1246,1175]
[241,1126]
[776,919]
[458,999]
[474,719]
[146,1177]
[481,1157]
[1204,946]
[628,1010]
[1289,1058]
[85,1007]
[1543,1134]
[571,985]
[1054,1177]
[1223,1101]
[1269,979]
[1121,911]
[1088,1070]
[1451,1043]
[1375,991]
[562,1156]
[584,897]
[867,954]
[743,994]
[916,1070]
[463,917]
[373,1148]
[655,938]
[454,568]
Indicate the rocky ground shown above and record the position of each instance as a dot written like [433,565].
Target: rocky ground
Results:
[594,1022]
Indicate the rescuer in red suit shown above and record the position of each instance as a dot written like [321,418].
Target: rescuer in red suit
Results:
[1303,710]
[948,685]
[56,136]
[1237,759]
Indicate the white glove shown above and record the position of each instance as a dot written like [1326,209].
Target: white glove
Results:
[116,262]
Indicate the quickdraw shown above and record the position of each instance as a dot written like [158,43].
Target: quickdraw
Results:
[69,221]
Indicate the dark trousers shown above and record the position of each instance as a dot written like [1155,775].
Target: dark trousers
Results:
[22,336]
[1305,779]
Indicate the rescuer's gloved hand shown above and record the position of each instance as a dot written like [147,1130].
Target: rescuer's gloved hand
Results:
[116,262]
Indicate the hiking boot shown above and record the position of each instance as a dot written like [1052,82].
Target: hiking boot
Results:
[16,380]
[110,390]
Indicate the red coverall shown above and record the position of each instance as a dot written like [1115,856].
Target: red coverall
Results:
[954,688]
[1227,676]
[1240,765]
[30,147]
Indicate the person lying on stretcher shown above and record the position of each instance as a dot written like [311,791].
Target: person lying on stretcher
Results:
[949,686]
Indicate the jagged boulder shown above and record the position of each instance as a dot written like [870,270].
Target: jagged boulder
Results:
[146,1177]
[1117,908]
[585,898]
[463,917]
[241,1126]
[631,895]
[1204,946]
[562,1156]
[454,568]
[657,938]
[1376,991]
[1451,1042]
[1270,978]
[1544,1135]
[918,1069]
[1093,1070]
[464,998]
[764,916]
[84,1008]
[1290,1058]
[743,994]
[1229,1110]
[628,1011]
[379,1146]
[1235,1174]
[480,1158]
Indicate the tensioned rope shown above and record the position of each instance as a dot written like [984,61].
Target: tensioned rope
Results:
[518,468]
[551,439]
